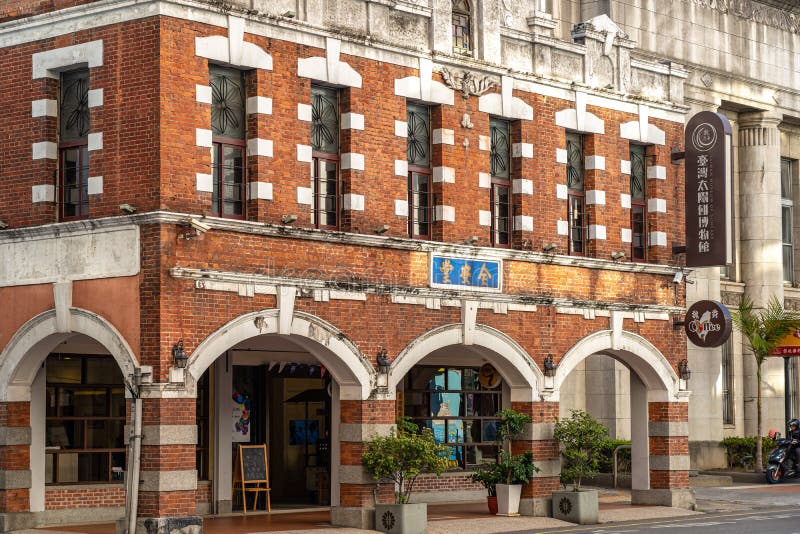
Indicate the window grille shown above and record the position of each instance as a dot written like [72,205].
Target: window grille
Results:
[638,191]
[325,152]
[228,127]
[727,383]
[576,202]
[74,145]
[500,166]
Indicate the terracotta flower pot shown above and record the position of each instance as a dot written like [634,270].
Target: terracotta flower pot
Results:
[491,500]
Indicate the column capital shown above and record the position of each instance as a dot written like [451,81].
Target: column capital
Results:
[759,119]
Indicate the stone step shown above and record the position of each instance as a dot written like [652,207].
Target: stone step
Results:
[706,481]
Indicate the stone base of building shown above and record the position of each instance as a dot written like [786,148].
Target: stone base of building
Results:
[538,507]
[345,516]
[18,521]
[676,498]
[165,525]
[707,455]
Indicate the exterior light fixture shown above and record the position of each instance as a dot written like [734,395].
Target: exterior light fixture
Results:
[549,366]
[471,240]
[382,229]
[549,247]
[383,368]
[617,255]
[288,219]
[683,369]
[179,355]
[127,208]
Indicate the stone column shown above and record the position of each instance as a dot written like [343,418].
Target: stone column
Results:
[668,430]
[15,473]
[358,491]
[760,250]
[537,494]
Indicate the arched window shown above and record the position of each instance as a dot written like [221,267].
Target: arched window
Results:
[462,26]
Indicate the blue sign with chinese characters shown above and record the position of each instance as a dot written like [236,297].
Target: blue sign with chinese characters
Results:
[461,273]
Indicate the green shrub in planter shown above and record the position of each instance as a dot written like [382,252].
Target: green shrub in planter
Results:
[488,476]
[605,456]
[741,452]
[581,437]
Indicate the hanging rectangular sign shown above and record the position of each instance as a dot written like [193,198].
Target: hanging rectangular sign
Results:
[450,272]
[789,345]
[709,187]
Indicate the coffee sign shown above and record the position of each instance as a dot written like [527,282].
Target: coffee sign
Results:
[709,189]
[708,323]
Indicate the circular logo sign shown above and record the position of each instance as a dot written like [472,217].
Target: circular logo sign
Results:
[704,137]
[708,323]
[488,377]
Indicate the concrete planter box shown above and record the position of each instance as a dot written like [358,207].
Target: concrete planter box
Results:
[401,518]
[508,499]
[576,506]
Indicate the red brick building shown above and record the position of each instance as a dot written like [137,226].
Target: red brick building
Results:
[287,194]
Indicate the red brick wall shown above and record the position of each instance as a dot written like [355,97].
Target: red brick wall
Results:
[56,498]
[203,492]
[434,484]
[14,9]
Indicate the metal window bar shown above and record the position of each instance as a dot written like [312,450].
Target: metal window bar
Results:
[727,384]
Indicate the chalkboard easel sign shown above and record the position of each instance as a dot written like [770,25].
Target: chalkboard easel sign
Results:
[251,473]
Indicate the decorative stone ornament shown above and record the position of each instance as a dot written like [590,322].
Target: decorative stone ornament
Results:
[576,506]
[401,518]
[467,83]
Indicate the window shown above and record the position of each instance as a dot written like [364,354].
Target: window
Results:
[460,411]
[787,220]
[85,419]
[462,27]
[792,387]
[500,167]
[418,153]
[727,383]
[73,145]
[325,156]
[228,127]
[638,203]
[576,195]
[203,416]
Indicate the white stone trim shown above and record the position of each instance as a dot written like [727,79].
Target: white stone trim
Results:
[522,186]
[523,223]
[305,153]
[562,193]
[353,202]
[329,69]
[401,128]
[484,180]
[484,218]
[597,231]
[625,200]
[595,196]
[401,208]
[656,205]
[259,105]
[561,155]
[626,235]
[657,239]
[260,191]
[44,150]
[504,104]
[44,108]
[48,64]
[203,137]
[400,167]
[43,193]
[443,136]
[352,160]
[203,94]
[95,141]
[305,196]
[423,87]
[95,98]
[259,147]
[657,172]
[352,121]
[304,112]
[595,163]
[444,175]
[579,119]
[94,185]
[625,166]
[641,130]
[522,150]
[562,227]
[205,182]
[484,143]
[444,213]
[233,50]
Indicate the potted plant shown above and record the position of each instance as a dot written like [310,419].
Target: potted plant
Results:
[581,437]
[488,475]
[513,470]
[400,458]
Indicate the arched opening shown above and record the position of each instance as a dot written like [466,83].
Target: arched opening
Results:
[462,27]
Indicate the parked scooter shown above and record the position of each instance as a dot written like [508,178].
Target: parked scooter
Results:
[781,465]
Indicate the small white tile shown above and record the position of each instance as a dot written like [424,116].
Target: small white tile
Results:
[203,137]
[561,192]
[352,160]
[595,163]
[304,153]
[561,155]
[45,150]
[657,172]
[401,128]
[259,105]
[522,186]
[352,121]
[485,218]
[203,94]
[401,208]
[94,186]
[562,227]
[205,182]
[304,196]
[625,166]
[523,223]
[304,112]
[484,180]
[43,193]
[625,200]
[443,136]
[260,191]
[445,213]
[595,196]
[597,231]
[95,98]
[626,235]
[259,147]
[522,150]
[444,174]
[658,239]
[400,167]
[353,202]
[95,141]
[484,142]
[44,108]
[656,205]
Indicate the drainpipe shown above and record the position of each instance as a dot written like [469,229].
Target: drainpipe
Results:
[134,454]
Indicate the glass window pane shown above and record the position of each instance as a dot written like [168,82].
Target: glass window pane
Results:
[418,143]
[576,224]
[93,467]
[215,177]
[500,215]
[102,371]
[74,109]
[786,179]
[786,224]
[500,149]
[638,172]
[64,434]
[104,434]
[227,102]
[325,119]
[575,165]
[63,369]
[788,275]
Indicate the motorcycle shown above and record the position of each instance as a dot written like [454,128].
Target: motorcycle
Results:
[781,465]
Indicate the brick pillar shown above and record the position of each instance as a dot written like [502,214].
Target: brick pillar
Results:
[660,225]
[260,169]
[168,478]
[523,166]
[597,221]
[668,429]
[15,473]
[536,495]
[360,420]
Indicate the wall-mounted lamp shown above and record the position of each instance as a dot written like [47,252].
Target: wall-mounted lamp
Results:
[549,247]
[678,278]
[383,368]
[3,225]
[617,255]
[127,208]
[288,219]
[179,355]
[382,229]
[549,366]
[683,369]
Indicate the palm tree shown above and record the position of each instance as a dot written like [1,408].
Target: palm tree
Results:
[763,330]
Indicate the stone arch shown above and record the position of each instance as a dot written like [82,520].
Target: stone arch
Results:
[22,357]
[512,362]
[341,357]
[634,351]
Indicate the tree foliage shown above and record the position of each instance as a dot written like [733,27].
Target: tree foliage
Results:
[582,437]
[404,455]
[508,468]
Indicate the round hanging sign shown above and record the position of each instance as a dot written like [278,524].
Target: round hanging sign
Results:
[488,376]
[708,323]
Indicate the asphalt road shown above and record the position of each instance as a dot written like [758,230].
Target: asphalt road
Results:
[775,521]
